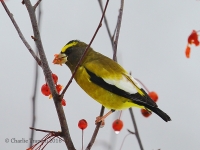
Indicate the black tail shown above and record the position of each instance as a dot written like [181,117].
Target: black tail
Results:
[160,113]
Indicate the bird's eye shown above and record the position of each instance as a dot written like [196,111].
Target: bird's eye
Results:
[68,51]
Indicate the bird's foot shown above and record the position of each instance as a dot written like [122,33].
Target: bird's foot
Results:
[100,119]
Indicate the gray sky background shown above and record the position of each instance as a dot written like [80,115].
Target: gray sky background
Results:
[152,45]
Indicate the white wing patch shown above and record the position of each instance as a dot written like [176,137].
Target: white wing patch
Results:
[124,84]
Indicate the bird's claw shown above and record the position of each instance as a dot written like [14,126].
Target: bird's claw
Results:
[100,119]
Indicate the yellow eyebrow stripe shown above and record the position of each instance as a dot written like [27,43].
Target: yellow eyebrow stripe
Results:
[68,46]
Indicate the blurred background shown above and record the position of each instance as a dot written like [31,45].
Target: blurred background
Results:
[151,45]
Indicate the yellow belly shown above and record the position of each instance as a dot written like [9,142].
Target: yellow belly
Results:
[104,97]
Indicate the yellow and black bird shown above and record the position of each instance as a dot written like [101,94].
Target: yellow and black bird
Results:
[105,80]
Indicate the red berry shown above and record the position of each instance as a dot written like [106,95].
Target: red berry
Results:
[45,90]
[55,78]
[145,113]
[58,88]
[153,96]
[193,38]
[82,124]
[187,51]
[63,102]
[196,43]
[117,125]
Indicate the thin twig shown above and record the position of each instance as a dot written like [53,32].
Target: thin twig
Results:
[47,142]
[131,132]
[136,129]
[120,114]
[86,49]
[118,29]
[142,85]
[95,131]
[106,24]
[124,140]
[103,143]
[36,4]
[35,87]
[41,130]
[82,139]
[34,103]
[48,77]
[20,34]
[43,139]
[46,139]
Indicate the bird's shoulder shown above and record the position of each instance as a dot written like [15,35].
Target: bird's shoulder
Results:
[103,66]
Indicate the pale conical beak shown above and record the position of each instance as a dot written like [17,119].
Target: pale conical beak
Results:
[60,59]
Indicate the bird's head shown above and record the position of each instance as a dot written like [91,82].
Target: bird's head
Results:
[70,54]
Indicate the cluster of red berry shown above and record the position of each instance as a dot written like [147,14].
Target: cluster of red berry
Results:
[192,39]
[154,97]
[46,91]
[117,125]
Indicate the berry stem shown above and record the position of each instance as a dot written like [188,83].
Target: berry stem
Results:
[142,85]
[82,139]
[120,114]
[124,140]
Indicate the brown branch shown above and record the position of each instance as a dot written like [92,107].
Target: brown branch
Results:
[41,130]
[36,4]
[95,131]
[20,34]
[35,86]
[131,132]
[34,103]
[86,49]
[106,24]
[136,129]
[48,77]
[118,30]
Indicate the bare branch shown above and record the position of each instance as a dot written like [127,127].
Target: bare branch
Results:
[33,38]
[41,130]
[20,34]
[34,103]
[131,132]
[48,77]
[118,30]
[106,24]
[95,131]
[35,87]
[36,4]
[86,49]
[136,129]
